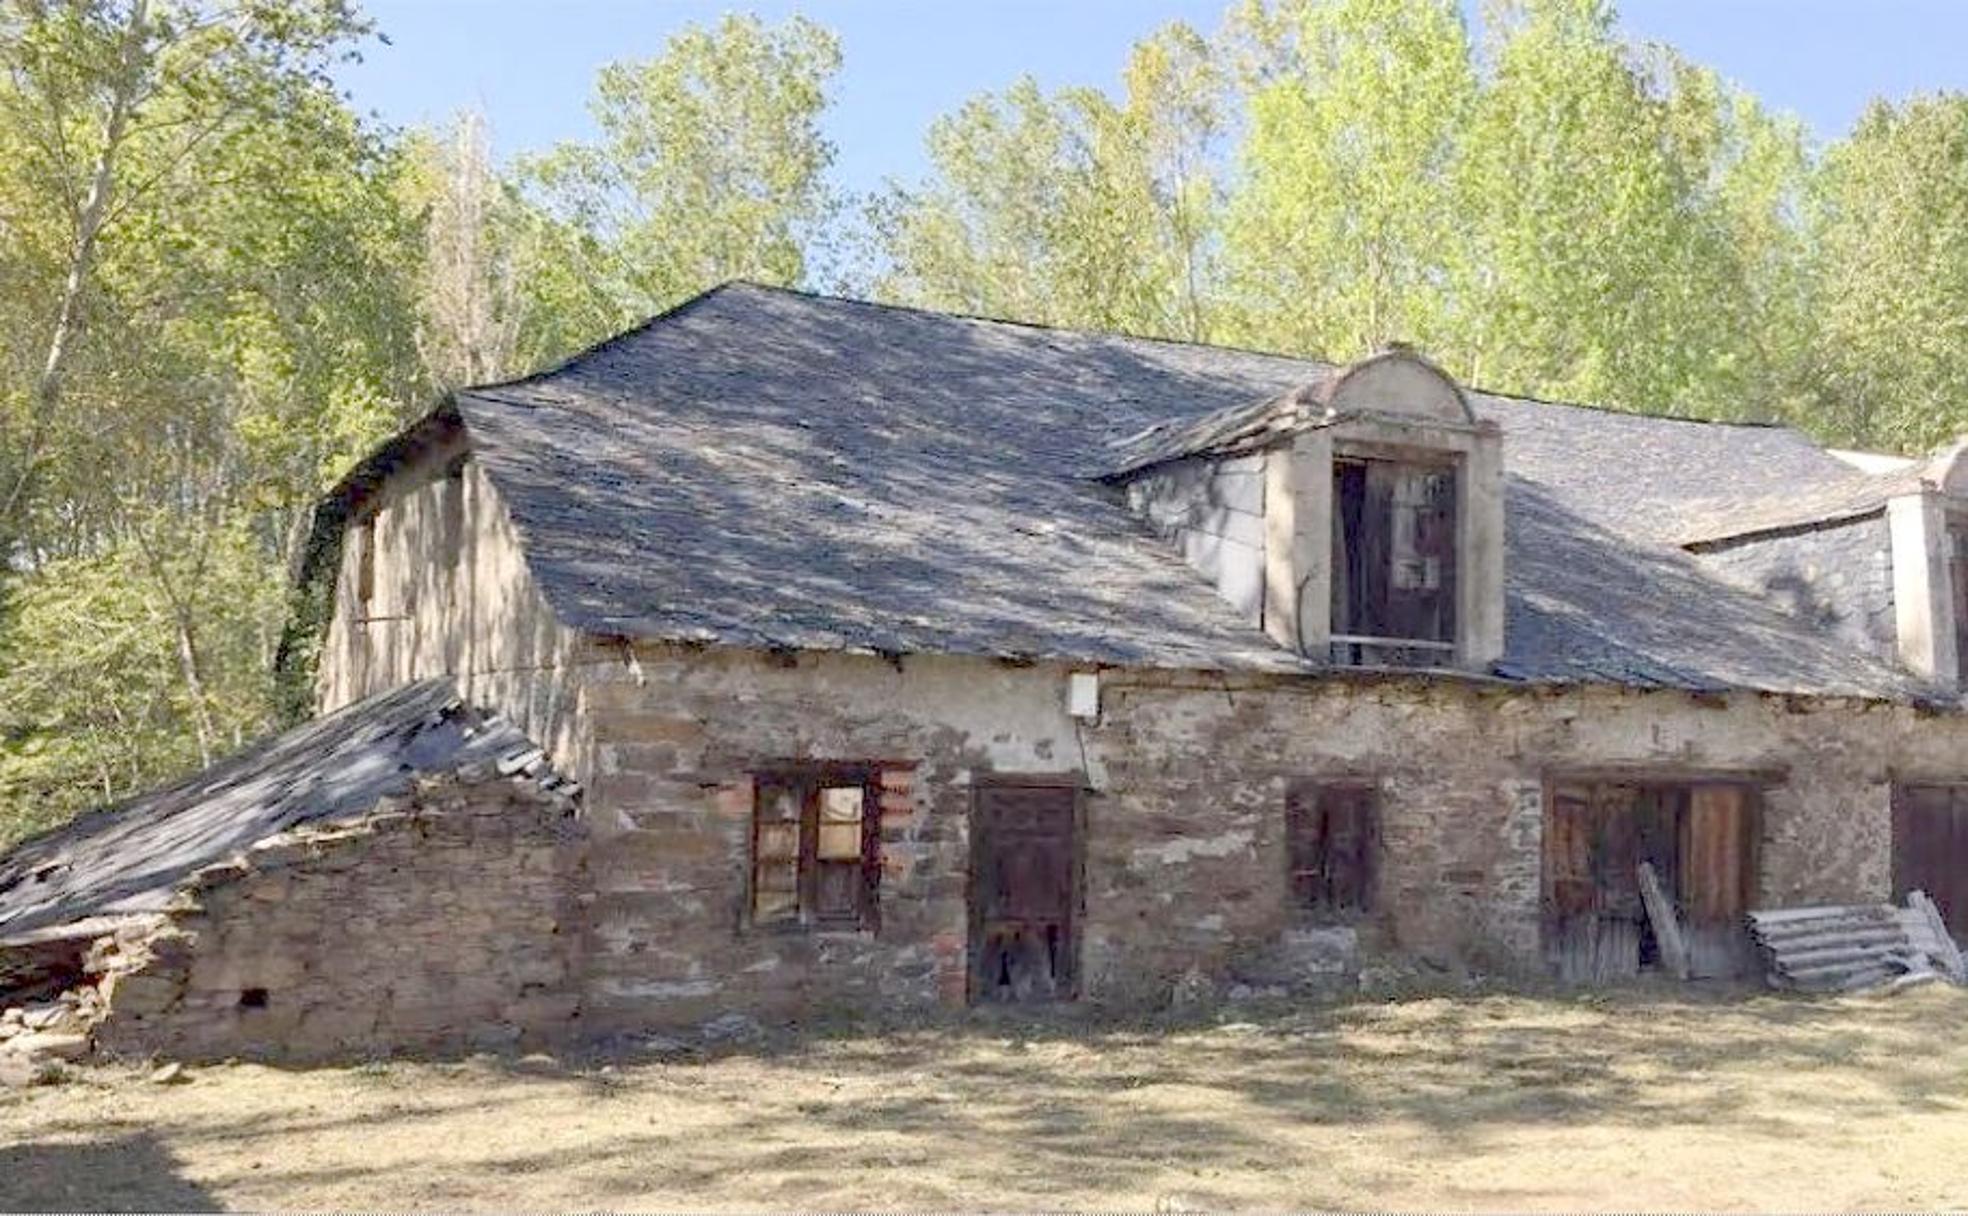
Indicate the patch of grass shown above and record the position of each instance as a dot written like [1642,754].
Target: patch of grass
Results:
[1644,1098]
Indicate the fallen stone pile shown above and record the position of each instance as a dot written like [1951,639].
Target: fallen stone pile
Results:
[37,1039]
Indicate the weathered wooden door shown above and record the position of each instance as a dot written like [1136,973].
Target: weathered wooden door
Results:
[1930,848]
[1718,879]
[1024,891]
[1700,839]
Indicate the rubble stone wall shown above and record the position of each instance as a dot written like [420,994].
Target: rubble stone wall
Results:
[480,912]
[1185,870]
[446,920]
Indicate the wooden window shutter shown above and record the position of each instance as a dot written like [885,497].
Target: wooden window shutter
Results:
[1332,847]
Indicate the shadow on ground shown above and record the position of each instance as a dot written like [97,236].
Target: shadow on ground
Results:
[128,1174]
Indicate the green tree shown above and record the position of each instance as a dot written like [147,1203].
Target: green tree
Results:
[110,110]
[1889,276]
[1345,225]
[93,700]
[1632,224]
[214,317]
[1073,208]
[710,166]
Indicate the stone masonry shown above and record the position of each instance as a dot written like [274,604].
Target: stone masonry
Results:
[445,920]
[1185,871]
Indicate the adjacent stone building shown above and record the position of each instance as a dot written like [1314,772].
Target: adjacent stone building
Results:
[842,658]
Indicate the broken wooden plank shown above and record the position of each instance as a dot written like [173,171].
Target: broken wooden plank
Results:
[1660,914]
[1780,916]
[1943,949]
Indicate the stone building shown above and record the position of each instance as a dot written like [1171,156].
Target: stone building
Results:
[833,658]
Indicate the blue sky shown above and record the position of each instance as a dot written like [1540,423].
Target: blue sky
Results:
[528,63]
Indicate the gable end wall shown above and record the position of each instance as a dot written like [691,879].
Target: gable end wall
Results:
[453,595]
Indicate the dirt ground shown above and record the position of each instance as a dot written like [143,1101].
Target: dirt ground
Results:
[1640,1100]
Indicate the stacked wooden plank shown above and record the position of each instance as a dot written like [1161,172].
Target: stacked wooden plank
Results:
[1840,949]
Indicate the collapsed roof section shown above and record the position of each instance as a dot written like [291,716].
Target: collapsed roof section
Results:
[126,859]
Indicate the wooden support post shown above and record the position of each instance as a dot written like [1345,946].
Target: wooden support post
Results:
[1660,913]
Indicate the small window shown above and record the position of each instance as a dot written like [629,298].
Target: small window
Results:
[1393,563]
[1332,838]
[816,847]
[365,568]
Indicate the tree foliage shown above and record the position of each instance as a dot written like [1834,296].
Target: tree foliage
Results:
[219,286]
[1072,208]
[1889,283]
[710,166]
[1546,208]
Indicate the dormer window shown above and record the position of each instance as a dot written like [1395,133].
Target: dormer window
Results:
[1393,563]
[1357,519]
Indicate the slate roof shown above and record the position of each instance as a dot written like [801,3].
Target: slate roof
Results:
[766,468]
[1245,427]
[126,859]
[1857,495]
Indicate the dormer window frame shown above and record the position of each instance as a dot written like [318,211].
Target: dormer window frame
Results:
[1247,496]
[1300,510]
[1354,640]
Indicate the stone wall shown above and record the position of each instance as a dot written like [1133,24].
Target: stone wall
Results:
[451,918]
[1838,577]
[1184,855]
[479,912]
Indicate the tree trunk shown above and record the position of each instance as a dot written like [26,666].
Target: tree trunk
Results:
[81,261]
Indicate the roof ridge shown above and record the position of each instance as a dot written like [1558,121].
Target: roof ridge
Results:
[1315,362]
[587,352]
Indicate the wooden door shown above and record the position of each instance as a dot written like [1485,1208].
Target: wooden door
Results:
[1699,837]
[1930,848]
[1717,882]
[1024,891]
[1593,917]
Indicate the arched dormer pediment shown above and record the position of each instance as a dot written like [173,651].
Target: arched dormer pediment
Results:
[1396,383]
[1356,518]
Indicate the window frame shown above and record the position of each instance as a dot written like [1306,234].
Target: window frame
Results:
[1363,643]
[811,780]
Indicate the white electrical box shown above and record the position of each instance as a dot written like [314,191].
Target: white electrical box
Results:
[1083,695]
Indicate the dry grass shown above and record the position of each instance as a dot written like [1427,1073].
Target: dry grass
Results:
[1640,1100]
